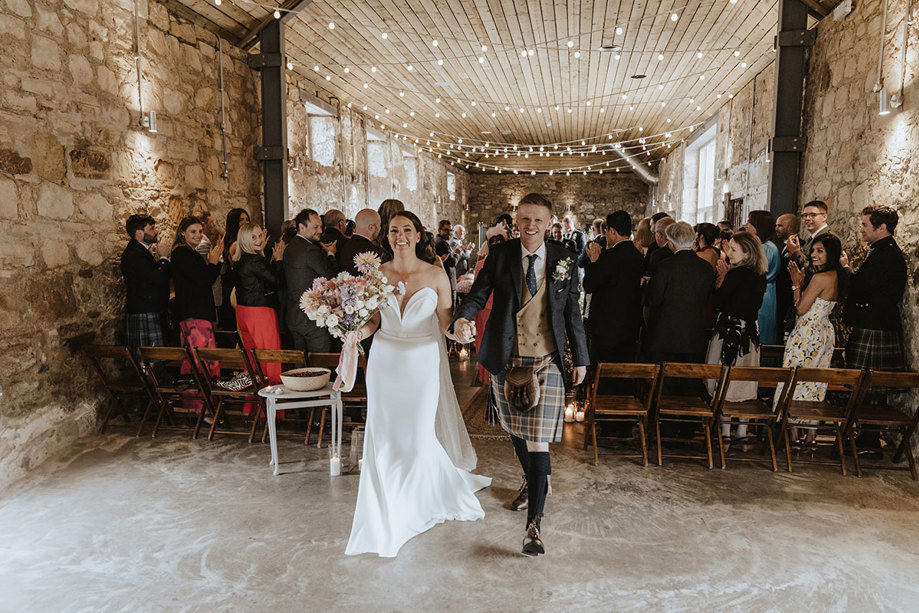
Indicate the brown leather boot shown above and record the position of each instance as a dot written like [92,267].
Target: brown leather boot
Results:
[522,501]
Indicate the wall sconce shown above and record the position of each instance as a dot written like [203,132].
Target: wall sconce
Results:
[148,121]
[883,102]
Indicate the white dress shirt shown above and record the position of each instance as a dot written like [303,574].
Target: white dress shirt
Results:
[540,262]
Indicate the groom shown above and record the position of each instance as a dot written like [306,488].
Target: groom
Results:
[535,309]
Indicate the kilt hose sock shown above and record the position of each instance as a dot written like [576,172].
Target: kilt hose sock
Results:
[520,448]
[537,482]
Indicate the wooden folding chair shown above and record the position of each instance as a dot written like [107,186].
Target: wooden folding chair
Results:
[621,407]
[123,378]
[689,408]
[777,352]
[843,386]
[231,362]
[757,413]
[883,416]
[355,399]
[288,358]
[172,389]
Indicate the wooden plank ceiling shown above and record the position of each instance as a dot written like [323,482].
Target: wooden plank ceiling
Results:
[522,84]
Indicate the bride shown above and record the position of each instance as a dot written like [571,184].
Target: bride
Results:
[417,454]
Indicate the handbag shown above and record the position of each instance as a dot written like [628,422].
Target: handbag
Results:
[521,386]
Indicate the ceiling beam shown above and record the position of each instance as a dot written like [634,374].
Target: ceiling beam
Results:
[177,8]
[289,10]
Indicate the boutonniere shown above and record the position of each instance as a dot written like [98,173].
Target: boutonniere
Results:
[561,274]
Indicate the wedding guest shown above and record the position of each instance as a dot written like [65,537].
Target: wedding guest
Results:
[507,222]
[785,226]
[557,236]
[462,250]
[333,231]
[363,240]
[226,316]
[873,304]
[194,276]
[573,234]
[613,278]
[725,226]
[762,224]
[445,252]
[644,237]
[813,338]
[256,300]
[677,296]
[741,286]
[663,251]
[724,239]
[146,279]
[598,237]
[349,228]
[814,215]
[305,260]
[208,231]
[706,237]
[387,210]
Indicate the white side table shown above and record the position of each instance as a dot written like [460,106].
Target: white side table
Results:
[279,397]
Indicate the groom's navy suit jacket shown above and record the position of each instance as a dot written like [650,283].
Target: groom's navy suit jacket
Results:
[502,274]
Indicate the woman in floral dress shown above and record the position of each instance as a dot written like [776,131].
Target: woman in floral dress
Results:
[813,338]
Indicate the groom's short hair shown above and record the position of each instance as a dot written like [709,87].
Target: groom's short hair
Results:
[537,199]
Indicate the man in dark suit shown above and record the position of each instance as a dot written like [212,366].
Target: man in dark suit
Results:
[664,250]
[785,226]
[306,259]
[655,245]
[444,250]
[146,278]
[334,224]
[534,312]
[677,296]
[574,235]
[613,278]
[873,305]
[363,239]
[814,216]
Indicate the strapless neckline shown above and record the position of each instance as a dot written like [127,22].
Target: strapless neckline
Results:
[404,307]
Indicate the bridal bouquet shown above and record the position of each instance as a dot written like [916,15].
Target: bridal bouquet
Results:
[343,304]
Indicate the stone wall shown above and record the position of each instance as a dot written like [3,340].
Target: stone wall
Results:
[352,163]
[74,164]
[586,196]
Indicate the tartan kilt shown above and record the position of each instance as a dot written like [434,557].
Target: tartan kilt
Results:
[144,330]
[544,423]
[875,350]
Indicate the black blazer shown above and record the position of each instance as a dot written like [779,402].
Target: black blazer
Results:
[503,275]
[614,282]
[256,282]
[677,299]
[145,278]
[194,280]
[876,289]
[655,259]
[304,261]
[354,245]
[741,294]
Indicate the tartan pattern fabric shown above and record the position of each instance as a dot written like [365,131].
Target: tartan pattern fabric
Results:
[544,423]
[875,350]
[144,330]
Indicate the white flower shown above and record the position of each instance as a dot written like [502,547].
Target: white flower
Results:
[401,288]
[349,309]
[363,313]
[322,310]
[359,304]
[331,321]
[372,303]
[320,322]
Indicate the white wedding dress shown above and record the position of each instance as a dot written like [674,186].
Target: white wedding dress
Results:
[409,481]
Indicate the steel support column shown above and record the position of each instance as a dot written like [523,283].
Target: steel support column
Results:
[273,152]
[788,141]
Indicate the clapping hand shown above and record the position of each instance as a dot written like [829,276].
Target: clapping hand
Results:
[216,251]
[329,248]
[722,267]
[277,252]
[593,251]
[464,330]
[793,244]
[844,260]
[796,274]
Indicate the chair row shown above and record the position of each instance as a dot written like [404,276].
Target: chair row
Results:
[855,401]
[221,383]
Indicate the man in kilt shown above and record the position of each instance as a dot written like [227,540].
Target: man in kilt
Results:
[873,304]
[534,311]
[146,279]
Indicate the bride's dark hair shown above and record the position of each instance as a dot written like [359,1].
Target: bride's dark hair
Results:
[424,250]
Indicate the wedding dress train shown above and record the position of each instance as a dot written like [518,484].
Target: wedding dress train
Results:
[409,482]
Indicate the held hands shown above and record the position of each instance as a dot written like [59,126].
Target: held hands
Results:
[593,251]
[216,251]
[464,331]
[793,244]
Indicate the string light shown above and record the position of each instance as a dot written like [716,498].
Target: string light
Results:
[277,14]
[384,35]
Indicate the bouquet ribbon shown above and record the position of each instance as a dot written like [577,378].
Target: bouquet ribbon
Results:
[347,364]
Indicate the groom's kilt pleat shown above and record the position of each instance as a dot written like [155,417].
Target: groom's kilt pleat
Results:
[544,423]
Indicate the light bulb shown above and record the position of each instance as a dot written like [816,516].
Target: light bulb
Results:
[481,60]
[577,54]
[619,31]
[218,2]
[331,25]
[316,68]
[373,69]
[472,103]
[660,56]
[570,44]
[290,66]
[440,62]
[401,94]
[328,77]
[743,64]
[674,17]
[700,55]
[384,35]
[410,68]
[366,85]
[737,54]
[434,42]
[277,14]
[347,70]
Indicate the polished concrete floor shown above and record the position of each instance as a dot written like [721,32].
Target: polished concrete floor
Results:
[171,524]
